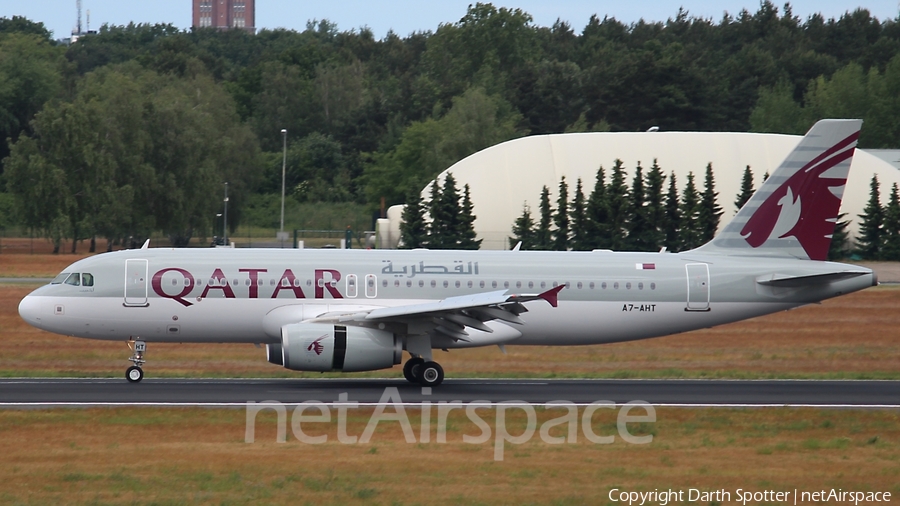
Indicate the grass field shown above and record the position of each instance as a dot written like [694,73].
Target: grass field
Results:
[198,456]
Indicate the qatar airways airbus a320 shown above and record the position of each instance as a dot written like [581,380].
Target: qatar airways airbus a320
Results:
[352,310]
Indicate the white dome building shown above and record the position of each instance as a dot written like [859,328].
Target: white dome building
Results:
[504,177]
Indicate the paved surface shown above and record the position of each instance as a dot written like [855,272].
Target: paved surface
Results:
[29,392]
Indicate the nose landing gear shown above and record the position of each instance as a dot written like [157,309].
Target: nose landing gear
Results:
[134,373]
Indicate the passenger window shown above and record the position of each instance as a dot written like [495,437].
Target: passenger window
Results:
[74,279]
[446,284]
[87,279]
[60,278]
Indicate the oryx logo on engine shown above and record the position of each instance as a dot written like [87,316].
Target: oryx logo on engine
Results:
[316,346]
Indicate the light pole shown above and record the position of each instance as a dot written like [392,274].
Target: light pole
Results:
[225,218]
[283,165]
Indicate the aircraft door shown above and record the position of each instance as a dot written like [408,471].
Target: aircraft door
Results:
[136,282]
[697,287]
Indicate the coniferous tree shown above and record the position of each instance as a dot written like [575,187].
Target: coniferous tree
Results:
[598,215]
[709,211]
[868,243]
[840,238]
[746,189]
[445,217]
[673,216]
[638,226]
[655,209]
[543,239]
[413,228]
[765,176]
[523,230]
[691,228]
[890,249]
[466,232]
[561,219]
[618,204]
[434,212]
[579,223]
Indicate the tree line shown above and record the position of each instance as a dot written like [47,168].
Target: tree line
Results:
[647,216]
[879,226]
[368,119]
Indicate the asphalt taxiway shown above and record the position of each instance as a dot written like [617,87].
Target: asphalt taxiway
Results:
[39,392]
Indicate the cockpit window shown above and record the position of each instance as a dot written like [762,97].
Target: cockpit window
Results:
[74,279]
[87,279]
[59,278]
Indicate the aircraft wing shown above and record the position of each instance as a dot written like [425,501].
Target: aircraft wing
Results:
[452,315]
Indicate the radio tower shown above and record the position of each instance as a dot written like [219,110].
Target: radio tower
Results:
[78,26]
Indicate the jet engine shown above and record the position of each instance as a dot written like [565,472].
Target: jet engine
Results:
[320,347]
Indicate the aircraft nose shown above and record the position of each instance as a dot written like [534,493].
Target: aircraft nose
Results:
[30,310]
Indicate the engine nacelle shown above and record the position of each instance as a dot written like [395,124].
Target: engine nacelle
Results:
[320,347]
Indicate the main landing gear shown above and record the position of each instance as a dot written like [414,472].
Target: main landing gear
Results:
[134,373]
[426,373]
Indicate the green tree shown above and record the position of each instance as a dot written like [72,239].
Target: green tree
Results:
[475,121]
[561,218]
[639,228]
[890,249]
[523,230]
[691,230]
[543,238]
[579,220]
[746,189]
[709,210]
[413,228]
[618,205]
[466,231]
[135,152]
[445,216]
[673,216]
[655,210]
[869,240]
[598,215]
[30,74]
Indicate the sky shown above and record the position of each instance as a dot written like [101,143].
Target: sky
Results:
[407,16]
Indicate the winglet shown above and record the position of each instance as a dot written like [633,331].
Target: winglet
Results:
[551,295]
[146,244]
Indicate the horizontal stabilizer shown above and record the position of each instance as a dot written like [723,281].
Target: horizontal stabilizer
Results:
[780,280]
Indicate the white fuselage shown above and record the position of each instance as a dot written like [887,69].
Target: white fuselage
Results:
[246,296]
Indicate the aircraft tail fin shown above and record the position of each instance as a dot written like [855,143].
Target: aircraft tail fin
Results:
[794,212]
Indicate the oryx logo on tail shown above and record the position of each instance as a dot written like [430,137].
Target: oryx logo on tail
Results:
[793,213]
[806,205]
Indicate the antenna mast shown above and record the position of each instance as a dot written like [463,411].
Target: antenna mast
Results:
[78,26]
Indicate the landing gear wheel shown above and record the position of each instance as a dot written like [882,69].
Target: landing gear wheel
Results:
[134,374]
[431,374]
[411,368]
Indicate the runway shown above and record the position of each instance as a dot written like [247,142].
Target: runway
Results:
[46,392]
